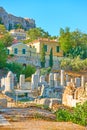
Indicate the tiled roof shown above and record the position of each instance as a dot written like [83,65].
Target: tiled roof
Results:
[43,40]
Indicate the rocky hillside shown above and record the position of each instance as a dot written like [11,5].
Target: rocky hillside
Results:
[10,20]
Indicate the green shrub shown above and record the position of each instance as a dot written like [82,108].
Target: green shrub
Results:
[45,70]
[78,115]
[28,70]
[63,115]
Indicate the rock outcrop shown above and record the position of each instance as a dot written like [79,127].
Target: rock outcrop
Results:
[10,20]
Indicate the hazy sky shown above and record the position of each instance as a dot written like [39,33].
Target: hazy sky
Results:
[51,15]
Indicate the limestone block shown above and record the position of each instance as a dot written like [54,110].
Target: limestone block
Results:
[77,82]
[62,78]
[51,79]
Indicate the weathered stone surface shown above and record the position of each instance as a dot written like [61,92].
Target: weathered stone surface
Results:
[9,19]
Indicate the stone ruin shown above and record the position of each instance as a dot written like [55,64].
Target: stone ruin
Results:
[75,92]
[69,90]
[8,82]
[66,89]
[23,85]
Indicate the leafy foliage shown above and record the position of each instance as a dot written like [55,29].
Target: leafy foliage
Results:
[65,40]
[3,56]
[7,40]
[73,43]
[78,115]
[36,33]
[15,68]
[45,70]
[2,29]
[28,71]
[19,69]
[63,115]
[18,26]
[75,64]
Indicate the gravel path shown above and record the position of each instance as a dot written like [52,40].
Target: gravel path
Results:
[42,125]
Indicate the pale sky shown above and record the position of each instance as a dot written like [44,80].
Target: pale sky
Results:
[51,15]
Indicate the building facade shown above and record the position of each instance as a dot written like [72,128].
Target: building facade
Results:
[20,49]
[48,44]
[18,34]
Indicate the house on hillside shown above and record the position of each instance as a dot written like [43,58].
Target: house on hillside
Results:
[18,34]
[48,44]
[23,53]
[20,49]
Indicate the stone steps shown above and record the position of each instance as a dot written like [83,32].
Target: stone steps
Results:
[3,121]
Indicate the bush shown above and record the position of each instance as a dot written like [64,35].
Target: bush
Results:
[63,115]
[28,71]
[75,64]
[78,116]
[45,70]
[15,68]
[19,69]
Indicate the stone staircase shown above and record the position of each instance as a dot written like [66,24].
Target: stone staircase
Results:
[3,121]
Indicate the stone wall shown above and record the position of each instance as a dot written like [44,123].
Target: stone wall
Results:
[3,103]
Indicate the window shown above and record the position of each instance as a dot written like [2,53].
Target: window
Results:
[57,48]
[15,51]
[23,51]
[8,51]
[45,47]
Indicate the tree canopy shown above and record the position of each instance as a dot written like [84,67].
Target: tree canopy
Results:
[3,55]
[2,29]
[73,43]
[36,33]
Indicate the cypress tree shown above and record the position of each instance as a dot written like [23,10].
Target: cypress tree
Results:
[43,56]
[51,58]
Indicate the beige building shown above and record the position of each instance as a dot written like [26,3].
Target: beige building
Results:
[20,49]
[48,44]
[18,34]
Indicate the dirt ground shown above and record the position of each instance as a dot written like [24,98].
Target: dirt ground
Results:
[37,124]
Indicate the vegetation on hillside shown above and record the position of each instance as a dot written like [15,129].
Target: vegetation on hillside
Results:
[73,43]
[75,64]
[3,55]
[36,33]
[18,69]
[5,36]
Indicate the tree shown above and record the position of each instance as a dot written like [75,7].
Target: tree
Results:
[73,43]
[7,39]
[18,26]
[18,69]
[15,68]
[28,71]
[65,40]
[36,33]
[3,55]
[42,56]
[2,29]
[51,58]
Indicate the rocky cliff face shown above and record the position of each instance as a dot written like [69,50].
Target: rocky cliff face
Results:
[10,20]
